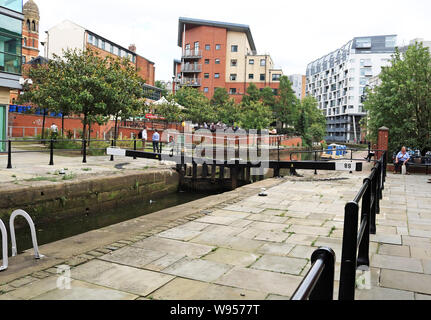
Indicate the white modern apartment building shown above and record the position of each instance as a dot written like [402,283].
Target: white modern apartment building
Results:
[338,81]
[298,85]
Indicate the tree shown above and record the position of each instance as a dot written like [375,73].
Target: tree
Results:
[403,100]
[124,93]
[198,107]
[253,95]
[267,97]
[226,109]
[159,84]
[170,111]
[255,115]
[286,108]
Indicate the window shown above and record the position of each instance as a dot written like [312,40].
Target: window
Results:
[206,90]
[25,42]
[34,46]
[234,48]
[28,25]
[262,62]
[15,5]
[188,46]
[197,45]
[251,61]
[217,61]
[251,76]
[102,45]
[233,63]
[262,77]
[217,75]
[363,81]
[24,59]
[90,39]
[207,47]
[10,45]
[276,77]
[363,43]
[391,41]
[233,77]
[111,48]
[207,61]
[232,91]
[96,42]
[206,76]
[218,46]
[33,26]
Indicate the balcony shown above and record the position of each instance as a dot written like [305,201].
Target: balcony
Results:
[191,82]
[192,54]
[191,68]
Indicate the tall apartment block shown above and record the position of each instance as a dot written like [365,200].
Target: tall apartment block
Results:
[69,35]
[298,85]
[338,81]
[11,18]
[222,55]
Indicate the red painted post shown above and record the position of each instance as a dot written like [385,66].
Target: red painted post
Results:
[382,142]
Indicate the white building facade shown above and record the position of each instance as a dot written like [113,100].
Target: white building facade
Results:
[298,85]
[338,81]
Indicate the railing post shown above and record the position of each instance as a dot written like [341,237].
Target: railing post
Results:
[324,289]
[9,154]
[348,258]
[373,198]
[134,147]
[84,146]
[51,152]
[364,246]
[279,143]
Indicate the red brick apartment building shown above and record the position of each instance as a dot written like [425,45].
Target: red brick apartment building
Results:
[222,55]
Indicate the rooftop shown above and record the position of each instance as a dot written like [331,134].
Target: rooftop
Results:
[225,25]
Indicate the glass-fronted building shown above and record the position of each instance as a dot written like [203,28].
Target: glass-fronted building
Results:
[11,18]
[339,79]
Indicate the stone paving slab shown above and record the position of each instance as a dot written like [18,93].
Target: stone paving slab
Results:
[198,269]
[262,281]
[133,256]
[186,289]
[232,257]
[288,265]
[175,247]
[414,282]
[80,290]
[122,278]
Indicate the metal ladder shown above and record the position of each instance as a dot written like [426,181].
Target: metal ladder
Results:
[15,214]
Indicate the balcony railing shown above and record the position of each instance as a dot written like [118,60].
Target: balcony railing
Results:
[191,68]
[191,82]
[192,54]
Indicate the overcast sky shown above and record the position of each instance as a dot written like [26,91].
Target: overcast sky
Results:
[293,32]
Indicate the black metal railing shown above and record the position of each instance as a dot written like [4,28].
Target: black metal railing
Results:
[356,243]
[318,284]
[83,146]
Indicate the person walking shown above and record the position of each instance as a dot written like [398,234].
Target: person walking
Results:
[401,160]
[144,137]
[156,141]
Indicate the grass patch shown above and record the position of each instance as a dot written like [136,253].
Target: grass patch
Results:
[70,176]
[332,231]
[86,169]
[41,179]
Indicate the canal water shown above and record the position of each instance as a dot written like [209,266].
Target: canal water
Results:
[62,229]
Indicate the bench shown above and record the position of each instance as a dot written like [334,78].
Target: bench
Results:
[420,165]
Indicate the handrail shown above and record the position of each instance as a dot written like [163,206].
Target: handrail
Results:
[356,243]
[318,284]
[4,246]
[24,214]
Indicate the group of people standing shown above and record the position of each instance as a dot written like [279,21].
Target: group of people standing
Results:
[143,135]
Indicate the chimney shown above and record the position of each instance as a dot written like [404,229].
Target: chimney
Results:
[132,48]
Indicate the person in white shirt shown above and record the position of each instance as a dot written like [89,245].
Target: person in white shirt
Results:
[144,137]
[54,131]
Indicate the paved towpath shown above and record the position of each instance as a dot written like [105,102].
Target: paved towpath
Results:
[252,247]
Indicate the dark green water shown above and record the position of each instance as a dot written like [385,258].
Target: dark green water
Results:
[62,229]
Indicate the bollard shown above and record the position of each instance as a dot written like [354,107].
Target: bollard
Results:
[51,152]
[9,155]
[112,145]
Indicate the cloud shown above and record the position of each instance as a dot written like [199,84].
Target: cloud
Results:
[293,32]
